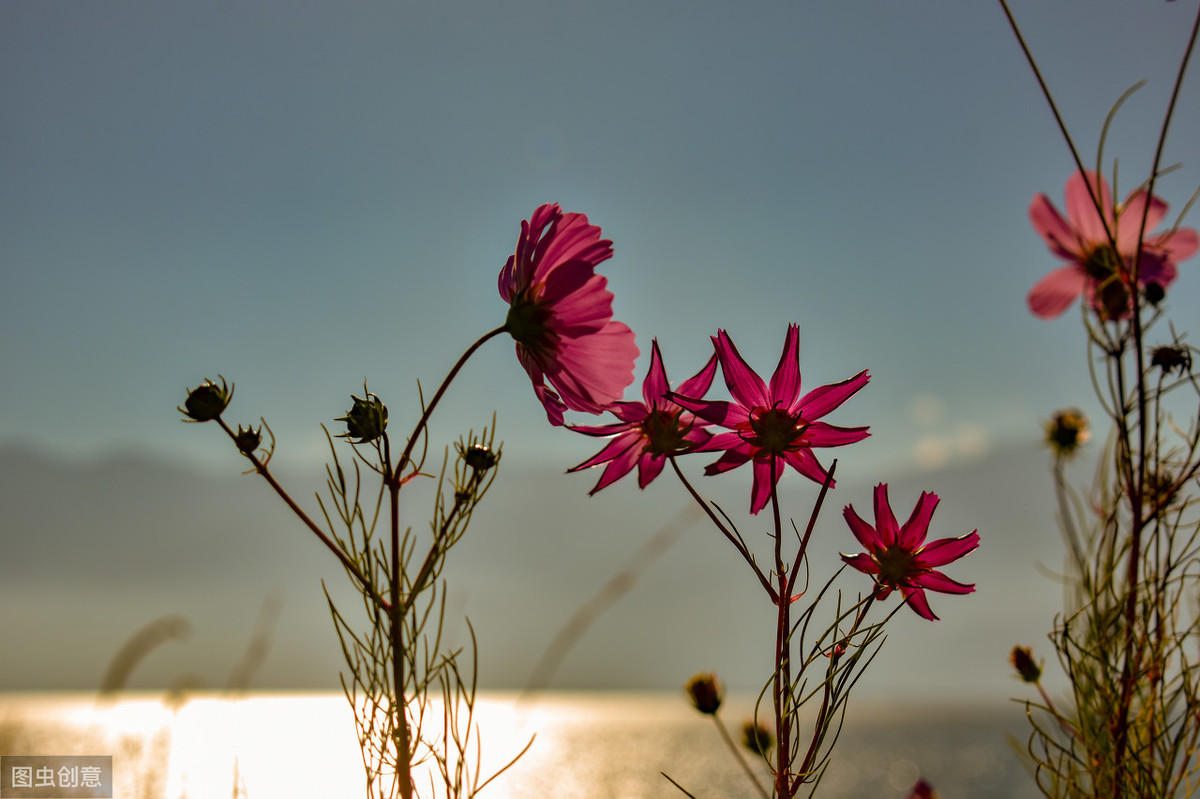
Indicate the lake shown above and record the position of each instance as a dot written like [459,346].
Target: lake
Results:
[587,746]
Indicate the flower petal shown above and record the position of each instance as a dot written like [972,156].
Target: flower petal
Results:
[743,382]
[867,535]
[1049,224]
[1081,210]
[655,385]
[698,384]
[916,600]
[785,382]
[947,550]
[821,401]
[820,434]
[936,581]
[767,472]
[863,562]
[914,531]
[885,520]
[1054,293]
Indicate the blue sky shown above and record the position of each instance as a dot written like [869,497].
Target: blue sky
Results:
[303,195]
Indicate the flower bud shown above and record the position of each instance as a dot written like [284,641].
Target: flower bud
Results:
[757,738]
[1155,293]
[922,790]
[248,439]
[479,457]
[1027,668]
[704,690]
[207,401]
[366,420]
[1067,431]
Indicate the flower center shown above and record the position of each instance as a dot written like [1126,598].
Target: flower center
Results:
[663,434]
[775,430]
[526,322]
[1103,263]
[895,565]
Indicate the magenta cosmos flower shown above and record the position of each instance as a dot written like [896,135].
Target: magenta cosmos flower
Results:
[560,315]
[898,557]
[1093,267]
[773,425]
[650,430]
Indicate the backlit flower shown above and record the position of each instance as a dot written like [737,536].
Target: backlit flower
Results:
[650,430]
[1093,267]
[560,315]
[898,557]
[772,425]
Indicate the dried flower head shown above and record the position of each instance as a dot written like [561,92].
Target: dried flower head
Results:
[1027,668]
[705,691]
[1067,431]
[207,401]
[366,420]
[1171,358]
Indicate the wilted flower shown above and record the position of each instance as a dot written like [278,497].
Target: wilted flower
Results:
[1026,667]
[898,557]
[207,401]
[757,738]
[560,315]
[248,439]
[1171,358]
[366,420]
[705,691]
[773,426]
[651,430]
[1094,268]
[1067,431]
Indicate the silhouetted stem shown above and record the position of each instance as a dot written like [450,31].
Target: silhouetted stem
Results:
[733,539]
[350,565]
[424,420]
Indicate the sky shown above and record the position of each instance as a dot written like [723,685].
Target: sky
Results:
[302,196]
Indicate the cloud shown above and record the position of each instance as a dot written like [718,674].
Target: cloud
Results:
[965,441]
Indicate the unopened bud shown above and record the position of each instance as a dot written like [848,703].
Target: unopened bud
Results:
[1027,668]
[479,457]
[1155,293]
[1067,431]
[366,421]
[705,692]
[757,738]
[922,790]
[248,439]
[207,401]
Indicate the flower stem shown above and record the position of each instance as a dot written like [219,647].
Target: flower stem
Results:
[449,378]
[734,539]
[350,565]
[737,753]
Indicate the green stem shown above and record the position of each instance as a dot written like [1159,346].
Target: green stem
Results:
[424,420]
[737,753]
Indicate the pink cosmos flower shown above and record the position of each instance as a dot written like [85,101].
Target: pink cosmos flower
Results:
[561,315]
[1094,268]
[651,430]
[773,425]
[898,557]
